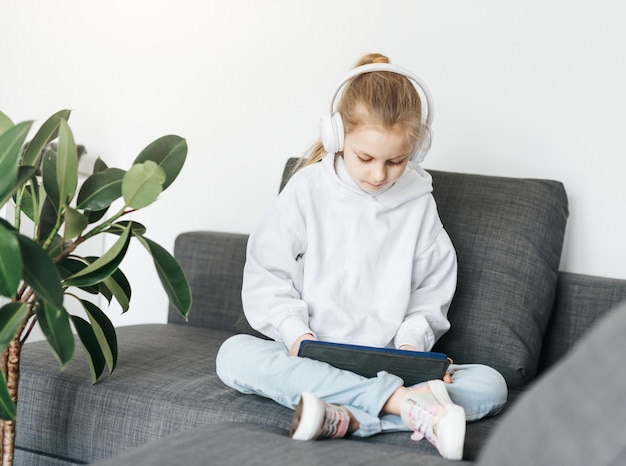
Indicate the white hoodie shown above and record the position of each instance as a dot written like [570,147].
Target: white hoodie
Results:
[331,259]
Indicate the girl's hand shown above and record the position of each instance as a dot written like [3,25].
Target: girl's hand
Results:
[293,351]
[447,378]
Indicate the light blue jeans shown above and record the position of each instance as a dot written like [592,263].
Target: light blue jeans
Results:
[261,367]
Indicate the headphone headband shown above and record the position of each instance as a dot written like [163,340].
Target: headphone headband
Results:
[371,67]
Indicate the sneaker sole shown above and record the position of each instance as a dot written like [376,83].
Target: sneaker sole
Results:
[450,445]
[311,417]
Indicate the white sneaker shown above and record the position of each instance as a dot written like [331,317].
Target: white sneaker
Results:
[315,419]
[429,411]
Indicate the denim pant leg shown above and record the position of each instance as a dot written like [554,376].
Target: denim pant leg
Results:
[479,389]
[255,366]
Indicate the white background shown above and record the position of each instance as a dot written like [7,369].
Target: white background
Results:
[522,89]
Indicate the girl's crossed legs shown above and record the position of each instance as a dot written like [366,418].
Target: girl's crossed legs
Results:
[255,366]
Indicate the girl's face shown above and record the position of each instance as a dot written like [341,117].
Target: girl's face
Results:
[375,156]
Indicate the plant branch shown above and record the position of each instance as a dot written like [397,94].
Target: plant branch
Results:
[106,224]
[33,321]
[12,378]
[57,226]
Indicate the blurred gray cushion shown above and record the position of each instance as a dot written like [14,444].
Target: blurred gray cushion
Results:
[575,414]
[235,444]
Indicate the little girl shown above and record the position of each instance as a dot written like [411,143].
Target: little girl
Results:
[353,251]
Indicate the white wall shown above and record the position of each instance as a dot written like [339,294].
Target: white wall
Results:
[528,89]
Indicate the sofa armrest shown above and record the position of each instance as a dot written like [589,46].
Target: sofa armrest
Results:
[579,302]
[213,263]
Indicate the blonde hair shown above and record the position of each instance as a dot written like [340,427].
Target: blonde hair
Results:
[378,97]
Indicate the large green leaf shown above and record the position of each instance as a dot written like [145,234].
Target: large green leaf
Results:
[117,285]
[75,223]
[104,331]
[171,275]
[88,338]
[28,202]
[67,164]
[70,266]
[10,262]
[142,184]
[46,133]
[104,266]
[8,411]
[99,165]
[23,197]
[5,123]
[12,316]
[169,152]
[55,325]
[10,146]
[50,180]
[40,272]
[47,219]
[118,228]
[101,189]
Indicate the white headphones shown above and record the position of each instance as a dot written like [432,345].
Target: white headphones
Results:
[332,123]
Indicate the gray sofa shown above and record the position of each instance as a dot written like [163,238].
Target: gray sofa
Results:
[513,310]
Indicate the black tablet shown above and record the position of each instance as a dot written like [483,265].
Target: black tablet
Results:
[411,366]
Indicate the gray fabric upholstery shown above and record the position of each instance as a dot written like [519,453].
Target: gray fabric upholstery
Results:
[164,382]
[249,444]
[575,414]
[508,234]
[591,298]
[213,263]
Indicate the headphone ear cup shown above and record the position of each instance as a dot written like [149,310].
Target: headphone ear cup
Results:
[422,148]
[332,132]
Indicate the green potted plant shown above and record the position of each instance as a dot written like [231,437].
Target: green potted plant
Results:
[41,266]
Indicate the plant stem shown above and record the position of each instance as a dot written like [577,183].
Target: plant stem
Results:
[95,231]
[53,233]
[3,367]
[18,209]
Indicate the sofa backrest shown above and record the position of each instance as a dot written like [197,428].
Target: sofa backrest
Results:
[213,264]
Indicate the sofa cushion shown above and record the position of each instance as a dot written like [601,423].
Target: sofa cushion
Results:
[508,234]
[164,383]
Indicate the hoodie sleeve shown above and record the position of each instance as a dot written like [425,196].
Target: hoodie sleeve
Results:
[272,278]
[433,286]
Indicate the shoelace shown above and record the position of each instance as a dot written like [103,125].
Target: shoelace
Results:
[422,421]
[332,419]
